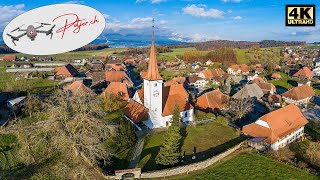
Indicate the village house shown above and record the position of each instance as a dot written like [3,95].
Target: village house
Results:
[118,76]
[316,71]
[252,76]
[305,72]
[178,80]
[10,57]
[196,82]
[217,76]
[302,82]
[317,62]
[276,76]
[63,72]
[119,90]
[238,69]
[96,65]
[22,64]
[267,88]
[276,129]
[158,101]
[300,95]
[77,88]
[275,100]
[213,101]
[259,69]
[115,67]
[249,91]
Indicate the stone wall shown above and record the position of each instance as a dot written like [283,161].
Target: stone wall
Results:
[191,167]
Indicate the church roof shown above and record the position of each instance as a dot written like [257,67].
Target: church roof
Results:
[153,72]
[136,112]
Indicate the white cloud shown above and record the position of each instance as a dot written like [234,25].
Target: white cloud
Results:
[236,17]
[202,11]
[7,13]
[152,1]
[236,1]
[229,11]
[193,37]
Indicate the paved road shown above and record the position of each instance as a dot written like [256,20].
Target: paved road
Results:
[141,135]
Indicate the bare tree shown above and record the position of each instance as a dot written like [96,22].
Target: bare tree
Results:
[313,153]
[240,107]
[73,131]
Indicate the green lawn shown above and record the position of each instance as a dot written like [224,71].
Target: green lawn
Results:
[249,166]
[285,82]
[208,139]
[272,53]
[170,56]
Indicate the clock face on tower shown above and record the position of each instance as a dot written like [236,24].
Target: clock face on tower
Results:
[155,93]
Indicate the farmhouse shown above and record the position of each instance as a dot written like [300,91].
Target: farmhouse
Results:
[9,57]
[249,91]
[119,90]
[238,69]
[213,101]
[300,95]
[196,82]
[267,88]
[276,129]
[276,76]
[65,71]
[305,72]
[118,76]
[157,100]
[77,88]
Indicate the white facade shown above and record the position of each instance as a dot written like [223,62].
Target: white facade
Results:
[153,101]
[199,83]
[230,71]
[250,78]
[287,139]
[300,102]
[316,71]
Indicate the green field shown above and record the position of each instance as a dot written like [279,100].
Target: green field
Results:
[249,166]
[77,54]
[208,139]
[171,56]
[286,82]
[264,54]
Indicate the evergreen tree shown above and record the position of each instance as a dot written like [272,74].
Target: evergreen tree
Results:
[169,152]
[126,134]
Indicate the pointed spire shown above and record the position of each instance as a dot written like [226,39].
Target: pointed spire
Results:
[153,72]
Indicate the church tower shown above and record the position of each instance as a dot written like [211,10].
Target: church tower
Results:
[152,85]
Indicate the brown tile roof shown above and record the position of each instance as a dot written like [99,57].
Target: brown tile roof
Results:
[115,67]
[153,72]
[118,76]
[242,67]
[136,112]
[257,80]
[170,102]
[276,76]
[267,87]
[174,94]
[194,79]
[143,74]
[281,122]
[177,80]
[79,89]
[299,93]
[304,72]
[67,70]
[120,90]
[212,100]
[213,73]
[9,57]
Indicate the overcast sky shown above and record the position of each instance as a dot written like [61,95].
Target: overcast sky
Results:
[189,20]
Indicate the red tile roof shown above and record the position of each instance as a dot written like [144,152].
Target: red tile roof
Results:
[304,72]
[213,73]
[67,70]
[136,112]
[276,76]
[177,80]
[212,100]
[299,93]
[79,89]
[115,67]
[281,123]
[120,90]
[118,76]
[141,95]
[267,87]
[9,57]
[242,67]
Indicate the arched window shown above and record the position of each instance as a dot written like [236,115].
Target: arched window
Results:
[186,114]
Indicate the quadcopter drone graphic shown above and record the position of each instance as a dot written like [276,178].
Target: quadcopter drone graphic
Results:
[31,32]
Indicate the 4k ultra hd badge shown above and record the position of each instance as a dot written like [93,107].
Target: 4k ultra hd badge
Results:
[300,15]
[54,29]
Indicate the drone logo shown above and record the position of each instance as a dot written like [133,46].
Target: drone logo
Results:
[31,32]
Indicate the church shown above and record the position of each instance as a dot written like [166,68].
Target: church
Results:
[153,105]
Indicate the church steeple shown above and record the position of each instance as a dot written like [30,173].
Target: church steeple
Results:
[153,72]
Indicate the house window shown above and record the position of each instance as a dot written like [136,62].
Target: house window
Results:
[155,85]
[186,114]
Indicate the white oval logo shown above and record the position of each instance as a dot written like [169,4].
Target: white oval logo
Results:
[54,29]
